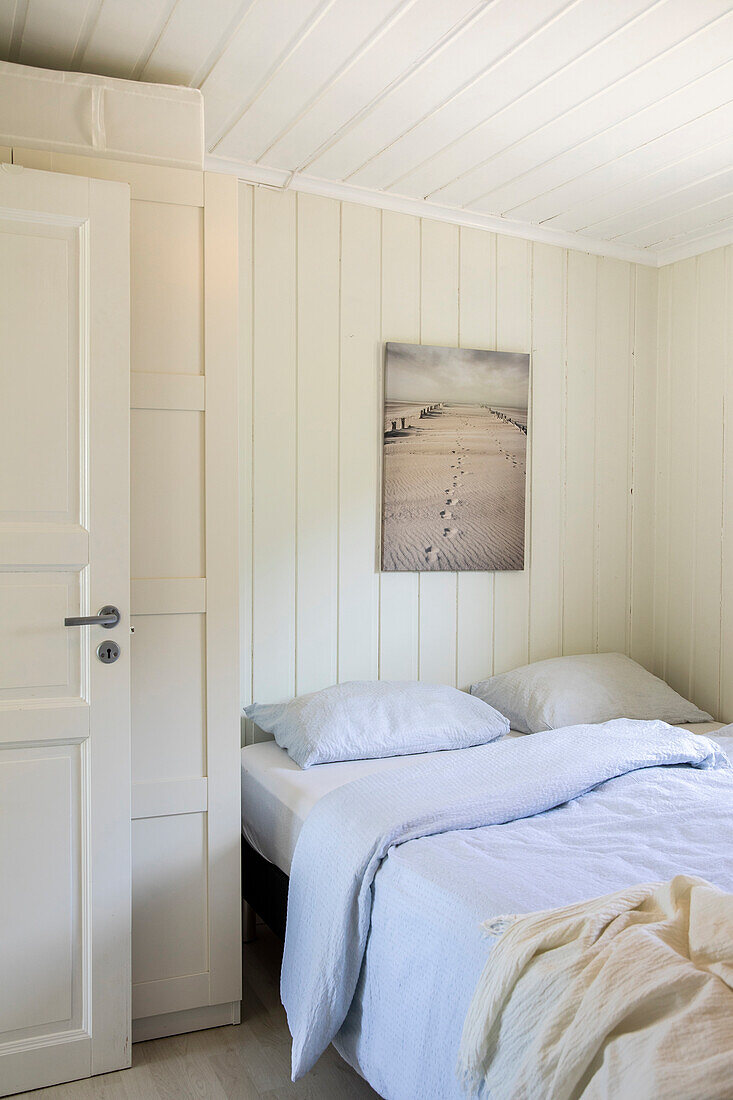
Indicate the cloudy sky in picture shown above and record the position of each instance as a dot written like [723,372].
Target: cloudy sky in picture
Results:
[416,373]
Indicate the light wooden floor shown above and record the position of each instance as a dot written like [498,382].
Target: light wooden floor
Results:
[247,1062]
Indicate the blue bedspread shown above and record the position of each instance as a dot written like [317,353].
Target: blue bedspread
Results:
[383,945]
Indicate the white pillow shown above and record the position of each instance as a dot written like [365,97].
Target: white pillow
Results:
[367,719]
[594,687]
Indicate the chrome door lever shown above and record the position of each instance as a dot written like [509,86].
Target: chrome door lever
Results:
[108,616]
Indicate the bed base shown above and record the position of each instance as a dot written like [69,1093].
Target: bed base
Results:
[264,889]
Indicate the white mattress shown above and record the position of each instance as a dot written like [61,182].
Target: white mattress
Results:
[277,795]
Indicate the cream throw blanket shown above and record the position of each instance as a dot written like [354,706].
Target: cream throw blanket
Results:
[628,996]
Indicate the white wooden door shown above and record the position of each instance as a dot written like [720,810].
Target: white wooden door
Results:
[64,552]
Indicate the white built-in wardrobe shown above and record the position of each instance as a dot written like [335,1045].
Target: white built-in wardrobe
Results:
[183,641]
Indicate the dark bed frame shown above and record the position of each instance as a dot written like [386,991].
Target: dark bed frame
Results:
[265,889]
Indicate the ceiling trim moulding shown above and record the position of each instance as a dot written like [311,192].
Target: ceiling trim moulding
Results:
[281,180]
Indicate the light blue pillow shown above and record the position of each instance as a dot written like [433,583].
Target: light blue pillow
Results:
[367,719]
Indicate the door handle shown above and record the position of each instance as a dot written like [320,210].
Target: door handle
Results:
[108,616]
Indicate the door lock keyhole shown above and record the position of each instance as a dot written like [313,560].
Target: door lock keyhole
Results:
[108,652]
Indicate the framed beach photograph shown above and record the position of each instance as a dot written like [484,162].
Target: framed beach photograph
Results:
[454,462]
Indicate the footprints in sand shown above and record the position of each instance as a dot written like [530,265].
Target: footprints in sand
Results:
[509,457]
[453,502]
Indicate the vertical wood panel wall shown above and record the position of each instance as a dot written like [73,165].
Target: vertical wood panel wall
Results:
[693,592]
[323,285]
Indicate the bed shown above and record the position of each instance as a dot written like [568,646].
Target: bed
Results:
[417,955]
[277,795]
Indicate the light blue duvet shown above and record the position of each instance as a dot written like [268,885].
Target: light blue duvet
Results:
[393,873]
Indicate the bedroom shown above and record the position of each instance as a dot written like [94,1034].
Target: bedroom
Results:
[280,190]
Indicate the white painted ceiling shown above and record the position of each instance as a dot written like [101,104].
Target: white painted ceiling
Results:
[607,124]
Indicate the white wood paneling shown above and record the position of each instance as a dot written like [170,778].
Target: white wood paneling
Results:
[437,283]
[514,333]
[170,797]
[245,241]
[693,641]
[683,329]
[643,453]
[613,471]
[273,451]
[167,493]
[707,576]
[223,823]
[191,40]
[663,443]
[169,596]
[318,248]
[159,390]
[179,186]
[168,709]
[169,898]
[119,41]
[387,142]
[578,102]
[477,329]
[578,119]
[359,389]
[549,293]
[726,592]
[580,421]
[330,45]
[167,293]
[399,592]
[50,33]
[357,90]
[261,43]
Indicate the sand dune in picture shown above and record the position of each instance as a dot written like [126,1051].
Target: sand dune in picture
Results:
[454,479]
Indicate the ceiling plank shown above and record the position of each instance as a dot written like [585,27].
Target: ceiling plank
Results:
[423,31]
[9,14]
[503,25]
[195,36]
[123,36]
[700,220]
[481,117]
[308,72]
[270,31]
[684,104]
[569,206]
[618,77]
[655,188]
[52,30]
[677,201]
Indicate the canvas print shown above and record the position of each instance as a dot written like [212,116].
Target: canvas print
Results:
[454,470]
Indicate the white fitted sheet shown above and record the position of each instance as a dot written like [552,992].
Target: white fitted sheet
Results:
[277,795]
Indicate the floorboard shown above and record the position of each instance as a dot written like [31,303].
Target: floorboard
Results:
[248,1062]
